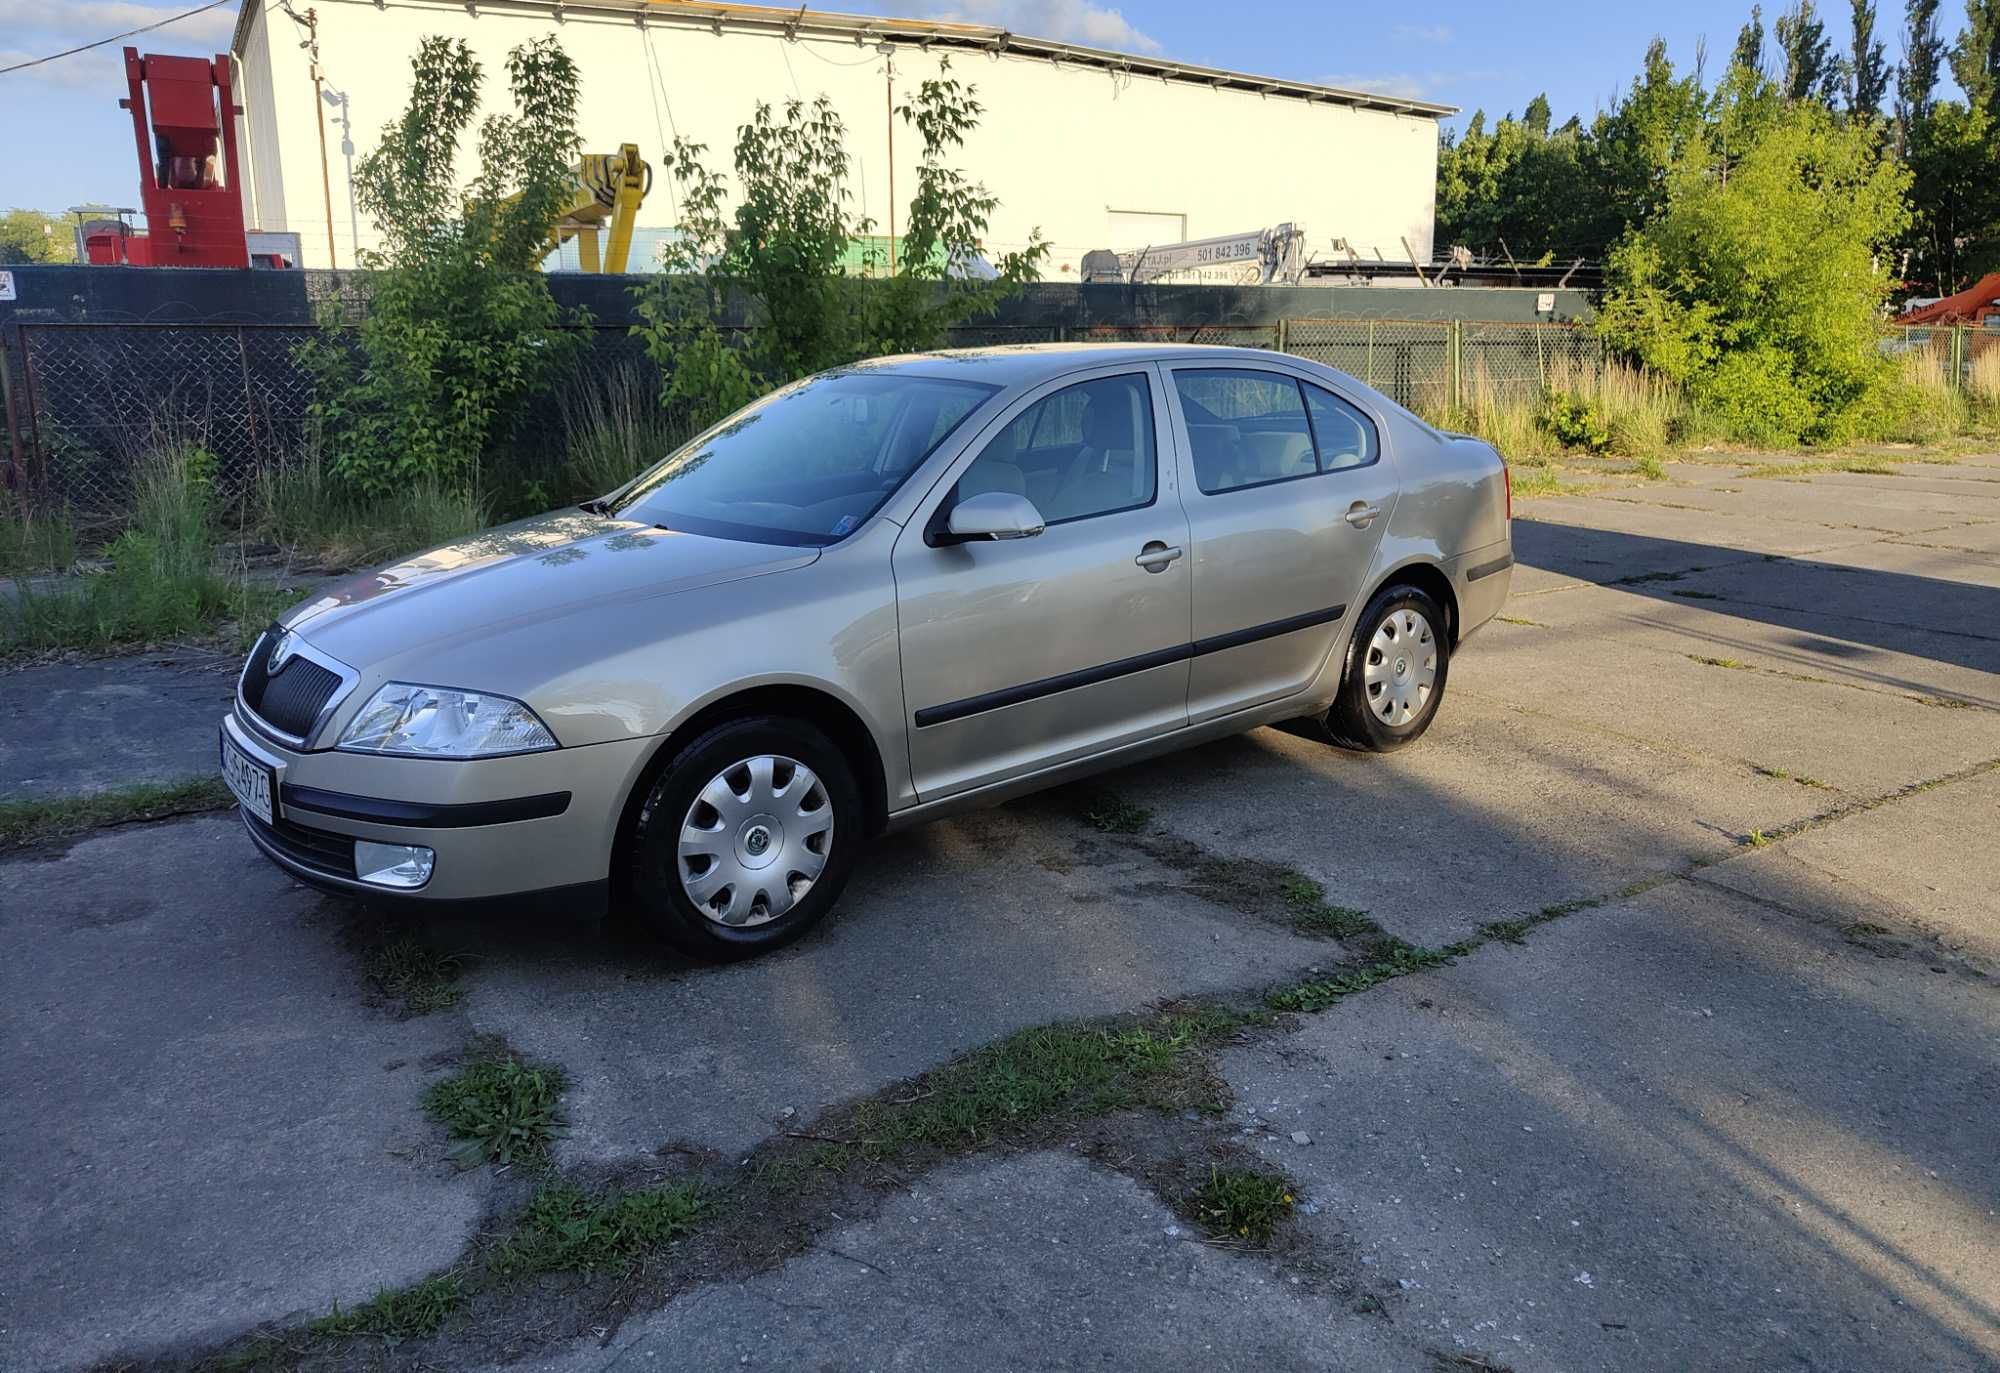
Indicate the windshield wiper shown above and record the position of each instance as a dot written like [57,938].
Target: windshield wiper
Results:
[596,506]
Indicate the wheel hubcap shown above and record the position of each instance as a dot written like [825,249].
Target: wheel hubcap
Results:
[1401,668]
[755,840]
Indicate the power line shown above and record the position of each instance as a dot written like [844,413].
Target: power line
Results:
[129,33]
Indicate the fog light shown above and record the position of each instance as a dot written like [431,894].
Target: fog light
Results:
[406,866]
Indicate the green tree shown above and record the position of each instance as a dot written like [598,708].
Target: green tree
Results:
[1923,60]
[460,332]
[1867,68]
[28,236]
[1954,236]
[1749,53]
[1975,57]
[778,254]
[1811,70]
[1760,291]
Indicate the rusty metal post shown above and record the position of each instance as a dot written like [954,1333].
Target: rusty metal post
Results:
[17,470]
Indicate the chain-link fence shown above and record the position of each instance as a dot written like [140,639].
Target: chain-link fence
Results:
[94,396]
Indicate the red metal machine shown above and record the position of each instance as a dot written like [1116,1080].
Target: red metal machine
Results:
[183,120]
[1970,306]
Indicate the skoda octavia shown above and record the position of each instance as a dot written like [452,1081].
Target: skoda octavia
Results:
[880,594]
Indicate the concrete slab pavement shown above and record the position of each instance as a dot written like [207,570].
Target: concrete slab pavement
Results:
[1675,1133]
[204,1125]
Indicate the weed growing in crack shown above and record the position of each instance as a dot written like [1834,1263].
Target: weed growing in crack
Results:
[1736,664]
[1519,620]
[1389,957]
[62,817]
[1757,839]
[1241,1204]
[499,1109]
[422,978]
[399,1313]
[1312,913]
[569,1230]
[1113,814]
[1698,595]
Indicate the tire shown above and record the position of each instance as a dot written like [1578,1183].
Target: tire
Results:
[760,801]
[1379,710]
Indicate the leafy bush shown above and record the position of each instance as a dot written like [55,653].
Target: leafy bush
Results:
[780,254]
[460,331]
[1759,284]
[1575,423]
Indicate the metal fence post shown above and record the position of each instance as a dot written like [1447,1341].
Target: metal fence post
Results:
[1454,342]
[1282,340]
[1370,378]
[1959,347]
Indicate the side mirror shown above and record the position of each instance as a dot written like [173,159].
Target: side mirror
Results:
[993,515]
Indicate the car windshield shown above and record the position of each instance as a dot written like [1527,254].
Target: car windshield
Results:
[807,465]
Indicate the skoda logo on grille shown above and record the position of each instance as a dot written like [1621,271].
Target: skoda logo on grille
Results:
[288,644]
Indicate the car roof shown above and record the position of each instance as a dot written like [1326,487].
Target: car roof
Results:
[1019,364]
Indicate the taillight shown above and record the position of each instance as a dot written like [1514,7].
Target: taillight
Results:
[1507,476]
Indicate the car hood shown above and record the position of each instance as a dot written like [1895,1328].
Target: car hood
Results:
[506,578]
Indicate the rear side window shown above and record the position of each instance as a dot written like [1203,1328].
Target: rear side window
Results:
[1344,436]
[1245,428]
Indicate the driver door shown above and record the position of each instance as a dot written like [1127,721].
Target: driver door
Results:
[1025,653]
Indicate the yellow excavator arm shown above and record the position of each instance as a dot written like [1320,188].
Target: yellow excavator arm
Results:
[609,189]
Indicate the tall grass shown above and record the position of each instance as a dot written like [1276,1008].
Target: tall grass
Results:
[300,505]
[36,542]
[1638,409]
[1919,404]
[162,583]
[1982,383]
[616,430]
[1506,416]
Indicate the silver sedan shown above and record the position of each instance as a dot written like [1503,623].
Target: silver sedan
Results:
[879,595]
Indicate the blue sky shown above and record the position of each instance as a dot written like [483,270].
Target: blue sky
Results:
[63,139]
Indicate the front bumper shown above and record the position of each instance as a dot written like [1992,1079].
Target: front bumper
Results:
[499,826]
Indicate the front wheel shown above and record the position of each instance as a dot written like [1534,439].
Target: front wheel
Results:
[1397,661]
[746,838]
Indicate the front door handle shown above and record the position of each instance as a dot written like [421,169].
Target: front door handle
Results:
[1155,556]
[1361,514]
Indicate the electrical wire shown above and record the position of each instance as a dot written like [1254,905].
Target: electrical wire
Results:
[129,33]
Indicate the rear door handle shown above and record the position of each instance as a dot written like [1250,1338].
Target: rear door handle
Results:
[1155,556]
[1361,514]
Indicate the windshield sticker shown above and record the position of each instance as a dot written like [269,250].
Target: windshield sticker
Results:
[846,525]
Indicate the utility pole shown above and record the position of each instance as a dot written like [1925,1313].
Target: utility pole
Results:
[319,110]
[888,52]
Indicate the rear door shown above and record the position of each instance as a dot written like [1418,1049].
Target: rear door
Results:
[1287,492]
[1025,653]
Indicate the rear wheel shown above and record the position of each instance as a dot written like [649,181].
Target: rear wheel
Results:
[746,838]
[1397,662]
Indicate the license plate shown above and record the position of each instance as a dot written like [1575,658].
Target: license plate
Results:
[249,779]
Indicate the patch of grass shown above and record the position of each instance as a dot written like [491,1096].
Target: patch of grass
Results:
[499,1109]
[1312,913]
[1757,839]
[1647,578]
[616,430]
[1651,468]
[37,542]
[301,505]
[408,970]
[1734,664]
[1698,595]
[1038,1074]
[1389,958]
[1113,814]
[569,1230]
[398,1313]
[39,822]
[1532,480]
[1241,1204]
[1519,620]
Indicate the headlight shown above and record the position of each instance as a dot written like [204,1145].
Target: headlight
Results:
[437,722]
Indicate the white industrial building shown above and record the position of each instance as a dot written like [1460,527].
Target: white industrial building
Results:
[1097,149]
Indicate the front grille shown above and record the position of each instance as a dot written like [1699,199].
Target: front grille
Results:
[321,850]
[291,699]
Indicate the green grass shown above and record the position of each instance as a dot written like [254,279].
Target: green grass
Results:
[1734,664]
[1520,620]
[1757,839]
[39,822]
[499,1109]
[36,543]
[569,1230]
[1312,913]
[1241,1204]
[1389,958]
[398,1313]
[410,971]
[1113,814]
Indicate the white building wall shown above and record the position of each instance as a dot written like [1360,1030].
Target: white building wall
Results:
[1074,150]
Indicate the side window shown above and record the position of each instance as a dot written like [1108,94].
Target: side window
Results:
[1345,436]
[1084,450]
[1245,428]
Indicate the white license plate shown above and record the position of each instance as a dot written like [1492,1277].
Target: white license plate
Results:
[249,779]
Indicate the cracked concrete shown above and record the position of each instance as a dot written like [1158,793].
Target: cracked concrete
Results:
[1737,1083]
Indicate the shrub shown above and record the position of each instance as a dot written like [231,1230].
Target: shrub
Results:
[1574,423]
[460,332]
